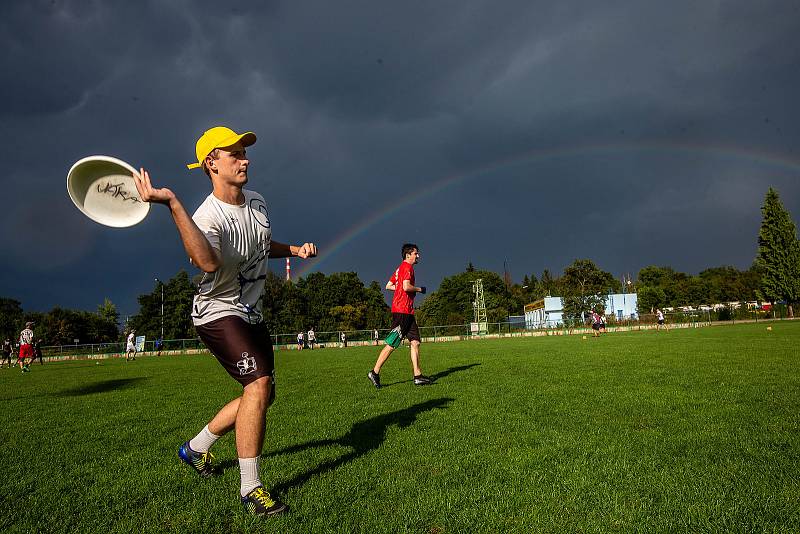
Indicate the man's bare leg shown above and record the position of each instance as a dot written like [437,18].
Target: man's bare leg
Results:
[382,357]
[250,424]
[251,417]
[225,420]
[415,358]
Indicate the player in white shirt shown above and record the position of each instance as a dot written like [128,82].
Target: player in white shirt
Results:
[312,338]
[25,347]
[130,349]
[660,322]
[230,239]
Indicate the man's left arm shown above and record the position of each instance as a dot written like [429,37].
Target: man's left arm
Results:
[282,250]
[408,287]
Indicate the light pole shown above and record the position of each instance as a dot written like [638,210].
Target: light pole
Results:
[162,308]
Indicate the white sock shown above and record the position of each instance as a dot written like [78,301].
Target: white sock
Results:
[249,469]
[203,441]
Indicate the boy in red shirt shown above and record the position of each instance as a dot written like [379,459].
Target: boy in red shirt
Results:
[404,325]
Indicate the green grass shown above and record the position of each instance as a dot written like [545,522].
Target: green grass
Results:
[691,430]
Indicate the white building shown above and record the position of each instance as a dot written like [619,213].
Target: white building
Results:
[544,313]
[622,306]
[549,311]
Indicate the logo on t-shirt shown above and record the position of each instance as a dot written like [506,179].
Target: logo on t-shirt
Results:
[247,364]
[260,212]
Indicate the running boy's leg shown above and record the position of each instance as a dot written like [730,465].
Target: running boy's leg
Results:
[386,351]
[415,358]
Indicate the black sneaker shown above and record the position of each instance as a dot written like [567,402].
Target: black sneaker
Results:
[422,380]
[375,378]
[260,502]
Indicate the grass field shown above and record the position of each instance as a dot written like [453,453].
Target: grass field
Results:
[693,430]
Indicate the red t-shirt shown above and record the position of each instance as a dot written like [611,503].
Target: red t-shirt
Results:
[403,301]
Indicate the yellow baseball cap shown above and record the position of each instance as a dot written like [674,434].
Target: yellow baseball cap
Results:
[219,137]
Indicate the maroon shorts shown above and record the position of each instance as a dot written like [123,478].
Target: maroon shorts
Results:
[243,349]
[25,351]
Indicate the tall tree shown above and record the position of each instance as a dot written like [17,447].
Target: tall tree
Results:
[11,318]
[178,294]
[107,312]
[778,253]
[548,284]
[452,302]
[584,287]
[649,298]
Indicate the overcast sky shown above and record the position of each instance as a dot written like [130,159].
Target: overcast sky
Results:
[631,132]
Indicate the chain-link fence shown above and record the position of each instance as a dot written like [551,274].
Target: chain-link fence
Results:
[687,318]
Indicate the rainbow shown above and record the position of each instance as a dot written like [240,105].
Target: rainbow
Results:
[755,156]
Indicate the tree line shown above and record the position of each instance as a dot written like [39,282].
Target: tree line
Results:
[336,302]
[61,326]
[342,302]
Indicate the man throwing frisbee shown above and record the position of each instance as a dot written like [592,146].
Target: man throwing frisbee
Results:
[229,238]
[404,324]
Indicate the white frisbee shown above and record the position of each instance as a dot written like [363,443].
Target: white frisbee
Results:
[102,187]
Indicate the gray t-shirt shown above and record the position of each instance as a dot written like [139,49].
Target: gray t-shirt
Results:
[242,236]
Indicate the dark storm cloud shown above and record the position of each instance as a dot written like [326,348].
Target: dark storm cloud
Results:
[357,104]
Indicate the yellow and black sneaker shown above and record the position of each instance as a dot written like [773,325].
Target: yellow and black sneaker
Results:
[202,462]
[259,502]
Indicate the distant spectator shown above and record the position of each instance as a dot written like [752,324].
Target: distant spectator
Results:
[8,348]
[37,351]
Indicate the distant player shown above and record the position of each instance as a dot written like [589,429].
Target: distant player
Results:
[404,324]
[343,339]
[8,348]
[660,322]
[130,349]
[375,336]
[598,325]
[25,347]
[312,338]
[300,340]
